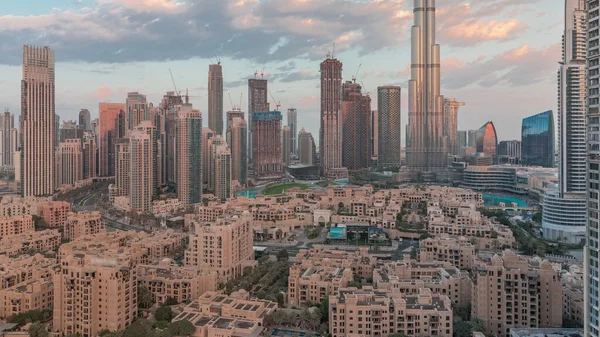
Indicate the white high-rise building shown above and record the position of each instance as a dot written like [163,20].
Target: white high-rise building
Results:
[564,215]
[591,251]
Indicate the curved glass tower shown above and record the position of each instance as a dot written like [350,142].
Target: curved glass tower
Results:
[537,140]
[487,140]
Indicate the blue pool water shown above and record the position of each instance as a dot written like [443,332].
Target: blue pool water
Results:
[337,233]
[251,192]
[495,200]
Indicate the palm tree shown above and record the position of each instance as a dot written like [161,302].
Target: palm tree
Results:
[144,297]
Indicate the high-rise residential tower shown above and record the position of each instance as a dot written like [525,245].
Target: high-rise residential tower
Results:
[189,155]
[374,134]
[8,137]
[222,170]
[330,134]
[591,251]
[461,141]
[141,170]
[170,107]
[69,162]
[307,150]
[236,113]
[38,128]
[266,145]
[356,120]
[137,109]
[85,119]
[238,144]
[537,136]
[108,134]
[257,102]
[390,126]
[451,107]
[565,212]
[472,141]
[90,160]
[122,168]
[286,138]
[207,135]
[426,145]
[215,98]
[292,122]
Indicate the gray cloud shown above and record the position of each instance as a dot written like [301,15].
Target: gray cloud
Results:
[121,31]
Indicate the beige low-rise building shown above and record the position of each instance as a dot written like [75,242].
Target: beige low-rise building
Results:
[83,223]
[94,292]
[25,268]
[54,213]
[35,294]
[12,205]
[573,303]
[457,251]
[141,247]
[375,312]
[16,225]
[224,247]
[409,277]
[217,315]
[312,285]
[43,241]
[511,291]
[167,207]
[360,262]
[168,280]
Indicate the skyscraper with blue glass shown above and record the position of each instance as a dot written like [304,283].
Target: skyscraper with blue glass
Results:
[537,137]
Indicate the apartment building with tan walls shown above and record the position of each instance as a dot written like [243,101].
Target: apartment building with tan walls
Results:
[376,312]
[511,291]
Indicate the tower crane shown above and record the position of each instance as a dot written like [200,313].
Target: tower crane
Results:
[277,103]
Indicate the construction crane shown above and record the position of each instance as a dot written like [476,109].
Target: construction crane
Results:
[355,75]
[173,79]
[277,103]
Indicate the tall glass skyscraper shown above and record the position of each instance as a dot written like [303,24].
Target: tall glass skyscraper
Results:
[537,140]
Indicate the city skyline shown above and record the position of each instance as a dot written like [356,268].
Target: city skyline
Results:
[82,84]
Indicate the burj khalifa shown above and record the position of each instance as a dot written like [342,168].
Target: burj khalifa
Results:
[426,145]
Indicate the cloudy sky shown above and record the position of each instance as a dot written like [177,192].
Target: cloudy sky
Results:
[498,56]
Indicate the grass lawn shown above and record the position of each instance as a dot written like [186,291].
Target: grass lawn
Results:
[277,189]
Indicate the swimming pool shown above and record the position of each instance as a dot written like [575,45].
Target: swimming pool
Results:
[495,200]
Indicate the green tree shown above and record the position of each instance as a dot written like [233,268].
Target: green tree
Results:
[144,297]
[171,301]
[397,335]
[283,255]
[163,313]
[38,330]
[181,328]
[414,253]
[139,328]
[324,308]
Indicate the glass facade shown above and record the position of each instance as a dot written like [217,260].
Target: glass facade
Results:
[487,140]
[537,140]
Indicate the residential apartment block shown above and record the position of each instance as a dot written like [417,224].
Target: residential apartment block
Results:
[168,280]
[215,314]
[224,247]
[373,312]
[510,291]
[84,223]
